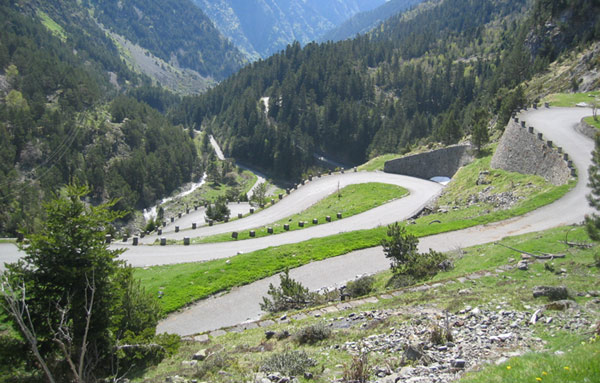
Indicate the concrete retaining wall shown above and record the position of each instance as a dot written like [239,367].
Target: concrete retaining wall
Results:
[442,162]
[522,149]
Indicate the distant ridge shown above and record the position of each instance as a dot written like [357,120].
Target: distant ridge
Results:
[260,28]
[363,22]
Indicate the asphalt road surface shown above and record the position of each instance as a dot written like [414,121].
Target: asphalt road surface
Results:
[242,304]
[307,195]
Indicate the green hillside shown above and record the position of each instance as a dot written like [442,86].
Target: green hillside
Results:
[416,79]
[61,123]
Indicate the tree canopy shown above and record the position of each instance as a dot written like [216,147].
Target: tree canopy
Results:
[71,297]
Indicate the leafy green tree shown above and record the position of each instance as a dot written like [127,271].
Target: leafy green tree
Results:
[592,221]
[70,296]
[259,195]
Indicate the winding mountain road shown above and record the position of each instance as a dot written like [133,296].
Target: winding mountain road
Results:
[242,304]
[421,191]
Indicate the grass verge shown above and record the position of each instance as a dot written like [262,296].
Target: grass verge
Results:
[508,292]
[185,283]
[351,200]
[571,99]
[378,162]
[595,123]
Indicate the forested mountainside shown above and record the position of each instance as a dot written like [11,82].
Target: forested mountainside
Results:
[436,75]
[176,31]
[172,42]
[61,118]
[363,22]
[263,27]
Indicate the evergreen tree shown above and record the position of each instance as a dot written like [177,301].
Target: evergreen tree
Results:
[70,297]
[479,132]
[592,221]
[289,295]
[400,246]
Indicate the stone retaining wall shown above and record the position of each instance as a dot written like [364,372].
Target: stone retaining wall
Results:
[522,149]
[586,129]
[442,162]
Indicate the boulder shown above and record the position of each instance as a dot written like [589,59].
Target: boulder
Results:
[554,293]
[561,305]
[523,265]
[414,353]
[200,355]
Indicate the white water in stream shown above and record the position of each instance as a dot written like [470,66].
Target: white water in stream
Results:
[150,213]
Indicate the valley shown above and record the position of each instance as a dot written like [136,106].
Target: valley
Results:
[558,124]
[202,191]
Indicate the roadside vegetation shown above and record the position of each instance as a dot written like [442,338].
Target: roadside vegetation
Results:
[349,201]
[319,339]
[593,122]
[571,99]
[185,283]
[377,163]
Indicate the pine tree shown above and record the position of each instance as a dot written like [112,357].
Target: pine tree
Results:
[479,135]
[592,221]
[70,296]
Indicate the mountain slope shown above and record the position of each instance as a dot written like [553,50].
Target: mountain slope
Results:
[262,27]
[365,21]
[175,31]
[171,42]
[413,81]
[61,120]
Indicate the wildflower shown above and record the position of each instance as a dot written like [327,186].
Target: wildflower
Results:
[544,373]
[567,368]
[508,367]
[538,379]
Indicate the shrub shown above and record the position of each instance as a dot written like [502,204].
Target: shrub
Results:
[213,364]
[408,265]
[440,335]
[400,247]
[290,295]
[360,287]
[219,211]
[312,334]
[357,371]
[290,363]
[398,281]
[150,226]
[425,265]
[146,349]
